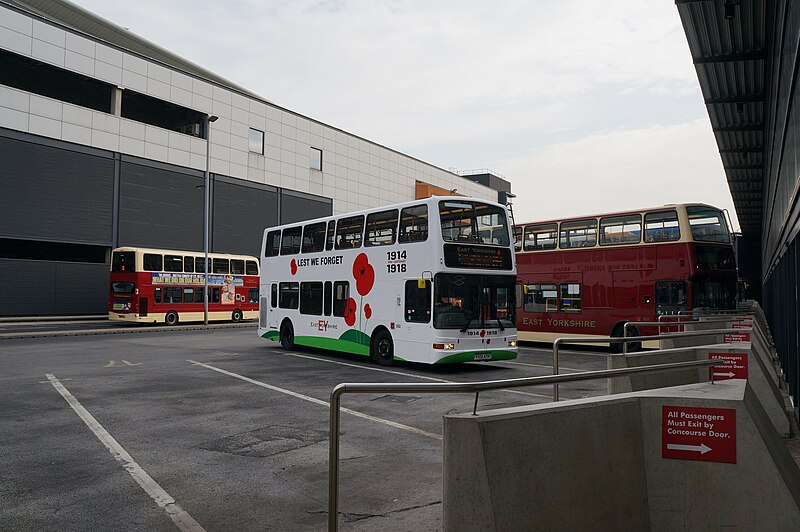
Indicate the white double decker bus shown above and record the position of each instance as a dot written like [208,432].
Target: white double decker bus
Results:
[427,281]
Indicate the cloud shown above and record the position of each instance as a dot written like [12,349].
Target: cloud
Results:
[597,101]
[619,170]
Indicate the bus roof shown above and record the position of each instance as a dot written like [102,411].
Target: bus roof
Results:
[620,213]
[183,252]
[410,203]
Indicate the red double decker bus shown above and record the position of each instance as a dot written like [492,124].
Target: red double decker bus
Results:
[157,285]
[587,276]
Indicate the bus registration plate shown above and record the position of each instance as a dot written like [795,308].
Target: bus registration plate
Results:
[482,356]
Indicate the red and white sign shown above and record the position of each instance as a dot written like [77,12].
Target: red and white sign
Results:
[736,338]
[740,325]
[692,433]
[735,366]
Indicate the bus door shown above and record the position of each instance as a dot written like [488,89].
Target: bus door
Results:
[272,316]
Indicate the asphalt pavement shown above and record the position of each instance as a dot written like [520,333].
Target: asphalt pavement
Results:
[217,429]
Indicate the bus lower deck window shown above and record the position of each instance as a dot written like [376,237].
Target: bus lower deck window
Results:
[341,293]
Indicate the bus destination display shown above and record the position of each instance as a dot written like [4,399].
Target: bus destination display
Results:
[462,256]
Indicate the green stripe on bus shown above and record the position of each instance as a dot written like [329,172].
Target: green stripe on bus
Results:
[272,335]
[334,344]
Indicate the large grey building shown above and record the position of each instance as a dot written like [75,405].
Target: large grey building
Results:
[746,53]
[104,139]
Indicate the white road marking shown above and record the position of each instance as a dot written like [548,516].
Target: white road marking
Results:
[393,372]
[180,517]
[320,402]
[224,354]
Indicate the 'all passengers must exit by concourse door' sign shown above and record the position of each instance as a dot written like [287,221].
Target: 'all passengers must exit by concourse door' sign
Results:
[692,433]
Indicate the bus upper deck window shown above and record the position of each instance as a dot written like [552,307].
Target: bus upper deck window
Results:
[153,262]
[331,235]
[220,266]
[578,234]
[661,226]
[251,267]
[381,228]
[708,224]
[237,266]
[290,241]
[626,229]
[173,263]
[273,247]
[314,238]
[413,224]
[350,232]
[540,236]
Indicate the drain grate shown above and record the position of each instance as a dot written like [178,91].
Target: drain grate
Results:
[266,441]
[404,399]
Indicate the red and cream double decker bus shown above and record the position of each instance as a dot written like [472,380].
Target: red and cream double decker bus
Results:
[157,285]
[589,275]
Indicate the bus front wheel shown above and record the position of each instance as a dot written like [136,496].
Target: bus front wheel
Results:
[382,350]
[287,335]
[171,318]
[237,316]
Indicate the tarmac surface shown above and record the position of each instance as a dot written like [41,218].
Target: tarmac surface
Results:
[221,430]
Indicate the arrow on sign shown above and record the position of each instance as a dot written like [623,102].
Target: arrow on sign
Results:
[729,374]
[702,448]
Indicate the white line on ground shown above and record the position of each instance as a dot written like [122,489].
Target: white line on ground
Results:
[180,517]
[393,372]
[320,402]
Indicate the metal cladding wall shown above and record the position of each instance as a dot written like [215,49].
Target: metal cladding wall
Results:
[160,206]
[781,214]
[241,212]
[296,207]
[55,193]
[37,287]
[52,193]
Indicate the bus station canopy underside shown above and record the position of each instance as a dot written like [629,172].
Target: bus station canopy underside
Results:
[729,41]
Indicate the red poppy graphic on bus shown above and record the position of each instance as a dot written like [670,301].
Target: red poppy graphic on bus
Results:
[367,311]
[350,312]
[364,274]
[293,266]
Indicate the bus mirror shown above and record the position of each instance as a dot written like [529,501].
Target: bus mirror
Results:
[421,284]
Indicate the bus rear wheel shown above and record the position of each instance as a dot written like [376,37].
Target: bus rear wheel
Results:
[382,348]
[171,318]
[287,335]
[237,316]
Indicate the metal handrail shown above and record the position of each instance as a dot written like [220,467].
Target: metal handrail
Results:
[659,323]
[714,317]
[462,387]
[625,341]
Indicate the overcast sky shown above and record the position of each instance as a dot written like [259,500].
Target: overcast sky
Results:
[585,106]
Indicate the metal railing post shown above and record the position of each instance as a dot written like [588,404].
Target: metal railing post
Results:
[333,459]
[555,367]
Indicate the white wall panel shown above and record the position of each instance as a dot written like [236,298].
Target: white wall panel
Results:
[47,52]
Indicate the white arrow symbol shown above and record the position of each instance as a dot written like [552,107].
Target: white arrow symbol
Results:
[702,448]
[729,374]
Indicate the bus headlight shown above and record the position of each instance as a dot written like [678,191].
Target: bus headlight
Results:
[512,343]
[444,346]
